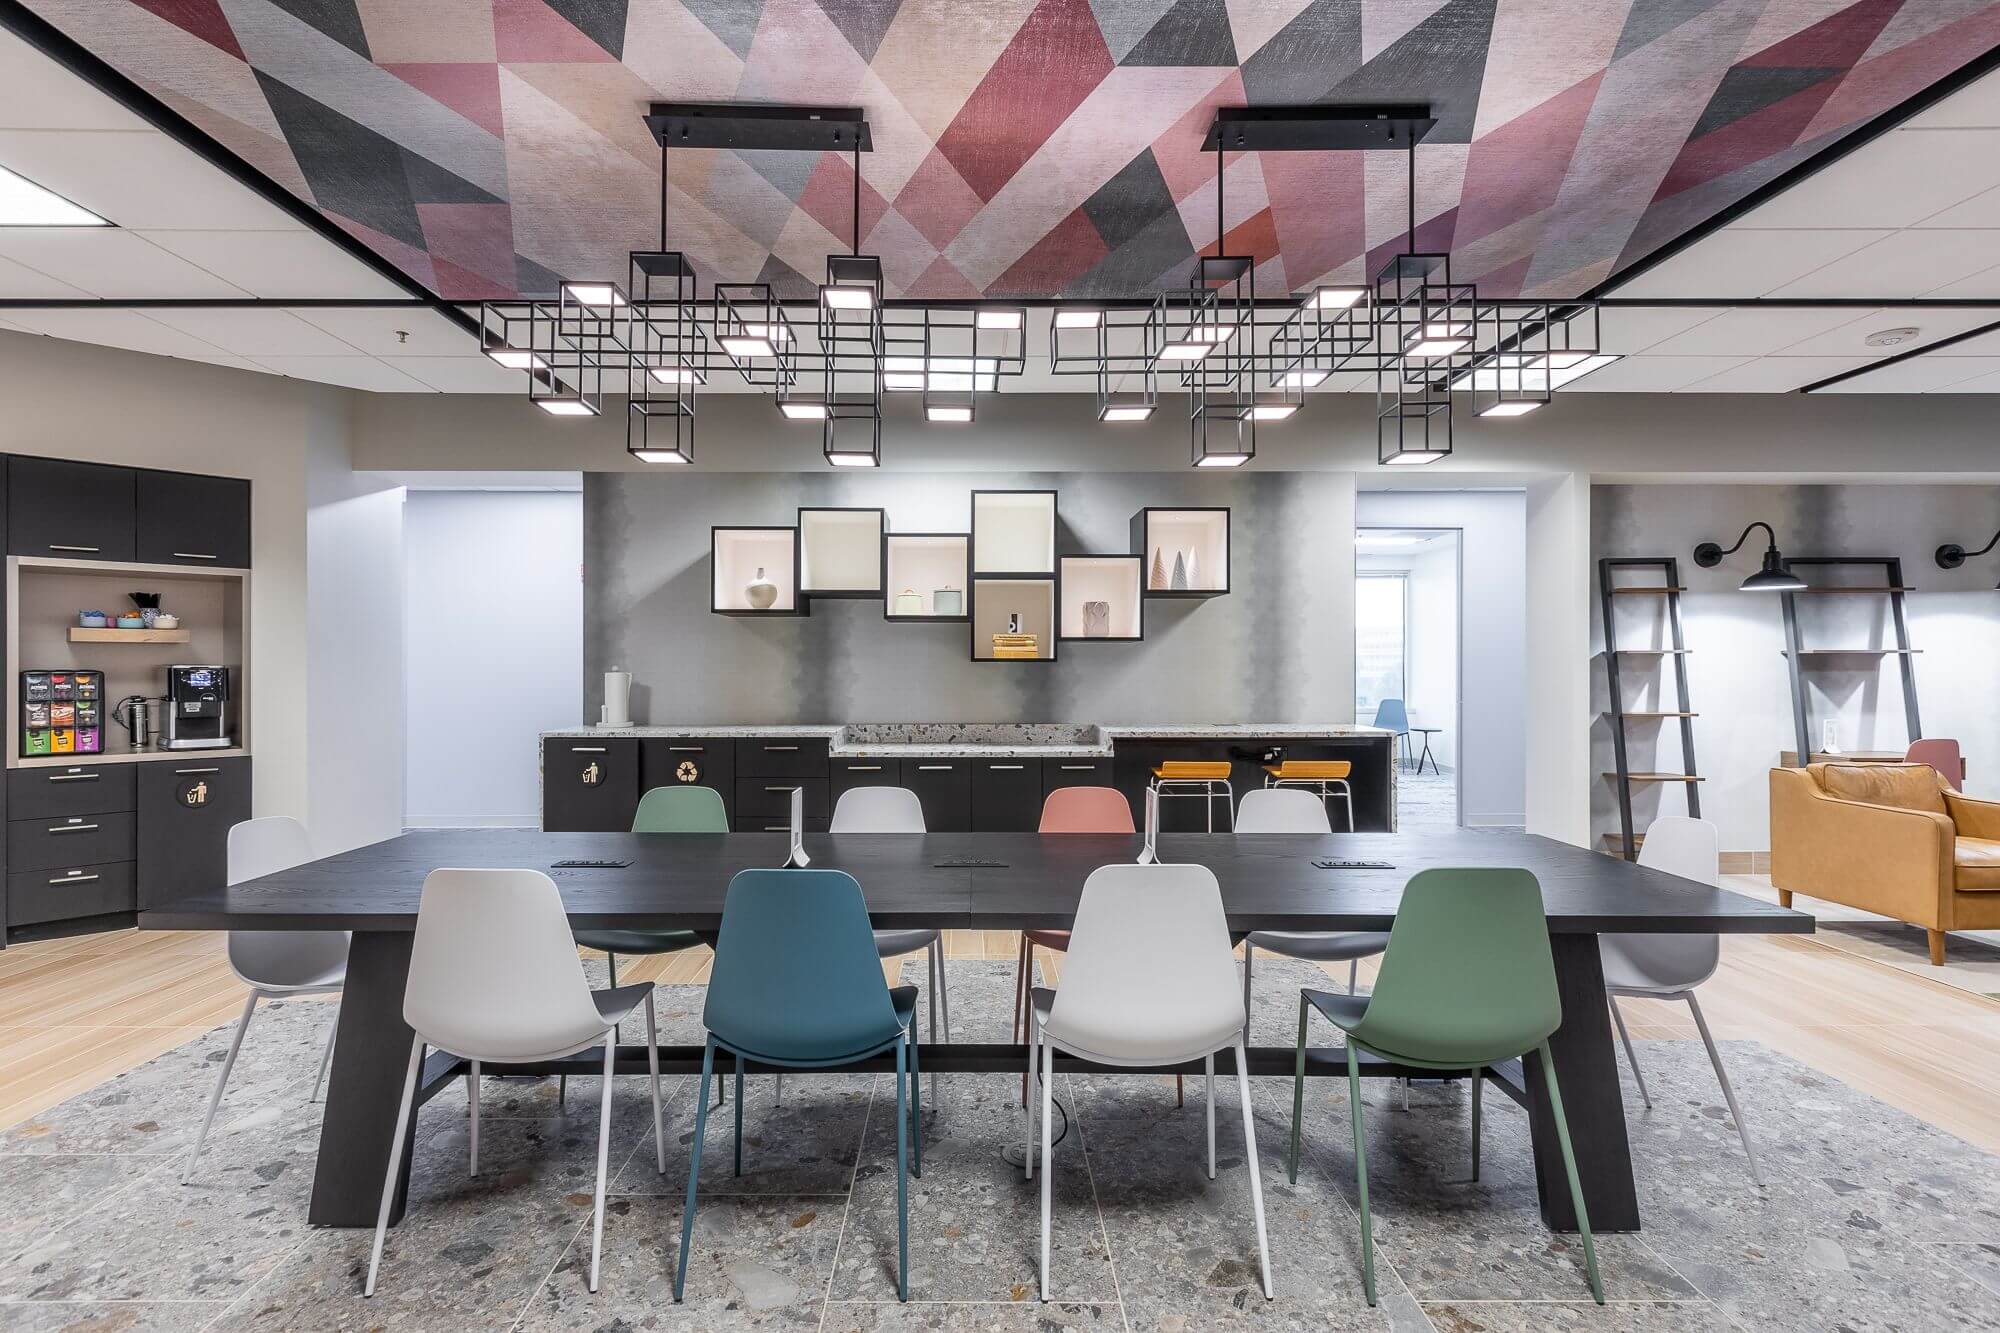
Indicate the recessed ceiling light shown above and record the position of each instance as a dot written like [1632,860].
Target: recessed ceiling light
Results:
[999,319]
[1512,408]
[747,345]
[1078,319]
[515,359]
[1184,351]
[946,413]
[1272,411]
[657,456]
[1125,412]
[803,411]
[566,407]
[1386,539]
[897,381]
[26,204]
[675,375]
[1335,298]
[1565,374]
[1892,337]
[839,296]
[1302,379]
[601,295]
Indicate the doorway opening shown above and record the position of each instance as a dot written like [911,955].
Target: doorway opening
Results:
[1406,662]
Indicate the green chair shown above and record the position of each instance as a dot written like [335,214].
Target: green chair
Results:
[1467,981]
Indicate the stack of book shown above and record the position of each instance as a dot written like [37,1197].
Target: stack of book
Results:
[1015,647]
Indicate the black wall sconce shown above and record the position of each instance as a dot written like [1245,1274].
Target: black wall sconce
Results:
[1773,577]
[1951,555]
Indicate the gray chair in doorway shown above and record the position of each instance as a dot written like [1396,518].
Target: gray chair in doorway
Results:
[1669,967]
[1391,715]
[274,964]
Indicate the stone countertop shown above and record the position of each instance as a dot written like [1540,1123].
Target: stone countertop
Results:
[919,740]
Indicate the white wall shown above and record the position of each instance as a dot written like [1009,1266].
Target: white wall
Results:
[1558,715]
[354,642]
[1490,744]
[493,629]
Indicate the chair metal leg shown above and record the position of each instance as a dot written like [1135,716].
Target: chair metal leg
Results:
[611,961]
[653,1070]
[1631,1056]
[902,1176]
[1728,1093]
[1249,952]
[1024,1009]
[739,1115]
[562,1093]
[1249,1151]
[1361,1173]
[1298,1093]
[221,1082]
[603,1156]
[778,1087]
[1208,1077]
[916,1107]
[326,1056]
[694,1168]
[1048,1166]
[1478,1082]
[1569,1168]
[934,959]
[395,1161]
[472,1119]
[1028,1157]
[1353,974]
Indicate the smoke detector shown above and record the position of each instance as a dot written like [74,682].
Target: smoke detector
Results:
[1892,337]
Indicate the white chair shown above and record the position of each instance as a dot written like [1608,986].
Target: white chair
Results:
[274,964]
[495,978]
[897,810]
[1669,967]
[1296,810]
[1135,925]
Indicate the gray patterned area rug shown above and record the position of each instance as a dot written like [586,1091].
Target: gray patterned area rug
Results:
[1872,1220]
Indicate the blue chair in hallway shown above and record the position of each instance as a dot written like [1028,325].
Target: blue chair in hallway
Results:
[1390,715]
[797,984]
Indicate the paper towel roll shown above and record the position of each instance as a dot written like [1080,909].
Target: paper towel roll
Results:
[617,698]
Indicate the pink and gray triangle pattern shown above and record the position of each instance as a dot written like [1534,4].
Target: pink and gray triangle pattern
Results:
[1024,148]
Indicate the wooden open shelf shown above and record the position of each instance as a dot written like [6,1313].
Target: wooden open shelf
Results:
[1637,590]
[78,634]
[1660,777]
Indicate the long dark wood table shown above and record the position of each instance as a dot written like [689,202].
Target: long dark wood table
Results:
[1269,882]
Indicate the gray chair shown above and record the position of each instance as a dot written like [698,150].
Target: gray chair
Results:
[1669,967]
[274,964]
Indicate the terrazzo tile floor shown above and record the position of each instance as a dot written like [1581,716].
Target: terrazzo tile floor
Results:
[1871,1221]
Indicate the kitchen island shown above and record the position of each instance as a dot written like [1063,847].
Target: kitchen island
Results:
[971,777]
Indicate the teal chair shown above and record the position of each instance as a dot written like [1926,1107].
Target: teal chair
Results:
[1467,981]
[661,810]
[797,985]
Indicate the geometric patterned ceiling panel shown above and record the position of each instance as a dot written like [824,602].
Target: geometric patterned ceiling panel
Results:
[1024,148]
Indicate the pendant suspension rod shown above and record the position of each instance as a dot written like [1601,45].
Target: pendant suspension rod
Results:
[663,195]
[1410,237]
[854,235]
[1218,196]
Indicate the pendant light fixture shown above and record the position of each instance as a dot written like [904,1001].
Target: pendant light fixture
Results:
[1222,324]
[851,347]
[1775,576]
[1951,555]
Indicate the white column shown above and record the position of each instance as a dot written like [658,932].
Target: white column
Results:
[1558,694]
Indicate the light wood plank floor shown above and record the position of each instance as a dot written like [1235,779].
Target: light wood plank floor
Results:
[74,1013]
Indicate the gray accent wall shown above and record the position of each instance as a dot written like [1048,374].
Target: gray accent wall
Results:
[1278,648]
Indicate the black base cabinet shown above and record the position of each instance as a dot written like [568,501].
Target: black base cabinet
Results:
[944,789]
[186,808]
[589,786]
[1006,795]
[692,761]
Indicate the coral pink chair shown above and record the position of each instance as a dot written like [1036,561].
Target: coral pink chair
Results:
[1942,755]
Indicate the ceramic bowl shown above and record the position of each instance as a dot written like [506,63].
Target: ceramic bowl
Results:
[131,622]
[91,619]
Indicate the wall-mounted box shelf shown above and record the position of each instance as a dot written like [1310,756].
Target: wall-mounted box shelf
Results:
[926,563]
[1014,532]
[1117,581]
[994,599]
[735,557]
[840,552]
[78,634]
[1197,538]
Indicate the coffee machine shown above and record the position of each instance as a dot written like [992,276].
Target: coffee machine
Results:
[197,708]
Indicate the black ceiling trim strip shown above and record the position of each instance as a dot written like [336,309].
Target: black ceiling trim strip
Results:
[1913,352]
[65,51]
[1976,68]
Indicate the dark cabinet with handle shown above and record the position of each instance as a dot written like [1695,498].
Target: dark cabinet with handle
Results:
[589,786]
[186,808]
[1075,773]
[690,761]
[74,511]
[944,789]
[848,774]
[1006,795]
[183,519]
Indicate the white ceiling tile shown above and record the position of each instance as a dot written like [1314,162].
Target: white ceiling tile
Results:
[1906,263]
[138,180]
[1738,262]
[19,282]
[1851,339]
[1775,374]
[37,93]
[279,263]
[110,262]
[1977,105]
[1635,330]
[1989,383]
[1653,374]
[349,372]
[258,334]
[374,332]
[1983,285]
[1752,332]
[1981,210]
[114,328]
[1896,180]
[463,374]
[1920,374]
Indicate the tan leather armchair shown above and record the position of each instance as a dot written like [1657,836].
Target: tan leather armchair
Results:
[1893,839]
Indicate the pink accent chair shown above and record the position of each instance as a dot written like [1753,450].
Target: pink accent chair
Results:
[1941,754]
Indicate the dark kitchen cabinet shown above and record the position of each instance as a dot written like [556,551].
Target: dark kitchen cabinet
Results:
[782,757]
[769,800]
[589,785]
[65,510]
[183,519]
[1075,773]
[847,774]
[186,808]
[73,892]
[74,789]
[1006,795]
[70,840]
[690,761]
[944,789]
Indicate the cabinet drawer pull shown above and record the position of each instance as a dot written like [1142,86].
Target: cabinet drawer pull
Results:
[864,768]
[586,749]
[786,748]
[777,828]
[184,772]
[71,878]
[1006,768]
[76,777]
[73,828]
[194,555]
[781,789]
[58,546]
[933,768]
[1079,768]
[685,749]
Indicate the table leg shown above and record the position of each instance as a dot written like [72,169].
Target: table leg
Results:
[1587,1069]
[366,1086]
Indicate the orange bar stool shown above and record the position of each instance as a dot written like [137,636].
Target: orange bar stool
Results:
[1196,777]
[1325,776]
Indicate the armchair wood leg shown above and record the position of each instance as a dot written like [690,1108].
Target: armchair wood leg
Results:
[1784,897]
[1937,947]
